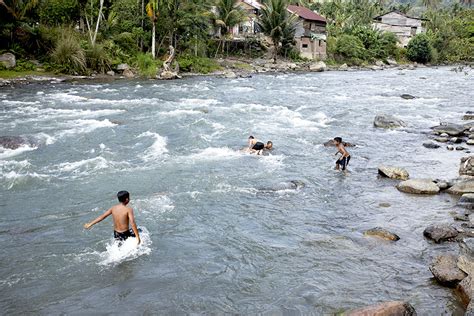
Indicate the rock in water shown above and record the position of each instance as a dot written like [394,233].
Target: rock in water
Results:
[8,60]
[393,172]
[418,186]
[446,271]
[394,308]
[388,121]
[12,142]
[465,289]
[122,67]
[382,233]
[467,166]
[318,66]
[430,145]
[128,73]
[450,129]
[463,187]
[169,75]
[467,201]
[343,67]
[331,143]
[440,232]
[407,96]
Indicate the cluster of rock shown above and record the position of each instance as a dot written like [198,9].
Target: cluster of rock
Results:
[455,271]
[454,135]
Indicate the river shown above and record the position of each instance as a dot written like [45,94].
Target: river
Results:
[223,230]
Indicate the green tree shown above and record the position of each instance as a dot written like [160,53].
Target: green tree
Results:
[350,47]
[229,13]
[19,9]
[277,23]
[419,49]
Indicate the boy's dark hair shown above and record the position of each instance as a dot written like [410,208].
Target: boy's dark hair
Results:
[269,142]
[251,137]
[338,139]
[123,196]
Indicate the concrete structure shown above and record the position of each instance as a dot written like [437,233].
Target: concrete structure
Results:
[402,25]
[249,27]
[310,33]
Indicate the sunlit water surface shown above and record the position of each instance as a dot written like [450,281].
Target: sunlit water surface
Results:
[223,231]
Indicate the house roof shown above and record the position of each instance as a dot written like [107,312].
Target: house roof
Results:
[305,13]
[253,3]
[399,12]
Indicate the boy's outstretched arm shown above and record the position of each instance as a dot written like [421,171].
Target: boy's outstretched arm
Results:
[98,219]
[131,219]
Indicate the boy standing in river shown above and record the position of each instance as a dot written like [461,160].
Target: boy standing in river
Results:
[123,217]
[343,161]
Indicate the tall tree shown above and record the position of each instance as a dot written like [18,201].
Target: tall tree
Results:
[277,23]
[90,19]
[229,13]
[152,12]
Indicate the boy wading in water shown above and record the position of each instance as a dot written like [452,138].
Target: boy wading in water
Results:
[343,161]
[123,217]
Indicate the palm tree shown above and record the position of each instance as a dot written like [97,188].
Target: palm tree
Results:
[277,23]
[19,8]
[229,13]
[152,12]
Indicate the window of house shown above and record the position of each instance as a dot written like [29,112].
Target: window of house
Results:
[319,43]
[305,45]
[413,30]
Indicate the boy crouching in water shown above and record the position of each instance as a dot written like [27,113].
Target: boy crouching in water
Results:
[343,161]
[122,216]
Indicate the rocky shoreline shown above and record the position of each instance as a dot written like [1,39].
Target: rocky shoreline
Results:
[231,68]
[452,270]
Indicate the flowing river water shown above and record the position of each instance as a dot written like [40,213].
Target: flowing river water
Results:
[224,231]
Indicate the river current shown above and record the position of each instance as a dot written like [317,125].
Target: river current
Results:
[224,231]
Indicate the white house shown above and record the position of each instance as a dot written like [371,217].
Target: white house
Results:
[402,25]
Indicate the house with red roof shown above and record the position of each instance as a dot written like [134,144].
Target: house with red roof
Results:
[310,35]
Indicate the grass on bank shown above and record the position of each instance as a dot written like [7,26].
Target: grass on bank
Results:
[14,74]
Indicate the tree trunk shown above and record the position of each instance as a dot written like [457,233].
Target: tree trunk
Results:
[98,22]
[153,40]
[143,24]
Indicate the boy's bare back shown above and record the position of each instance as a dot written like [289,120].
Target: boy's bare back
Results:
[121,216]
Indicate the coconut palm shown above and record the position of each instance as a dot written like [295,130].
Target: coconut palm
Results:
[277,23]
[229,13]
[152,12]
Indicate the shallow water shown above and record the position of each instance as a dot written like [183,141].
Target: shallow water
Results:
[226,232]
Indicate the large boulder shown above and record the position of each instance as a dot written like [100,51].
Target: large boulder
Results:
[464,289]
[169,75]
[467,166]
[394,308]
[393,172]
[8,60]
[467,201]
[446,271]
[440,232]
[382,233]
[12,142]
[431,145]
[318,66]
[128,73]
[388,121]
[468,116]
[462,187]
[418,186]
[450,129]
[122,67]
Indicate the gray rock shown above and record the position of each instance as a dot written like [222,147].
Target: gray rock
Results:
[467,201]
[418,186]
[446,271]
[384,204]
[111,73]
[318,66]
[13,142]
[464,289]
[460,148]
[450,147]
[450,129]
[388,121]
[394,308]
[468,116]
[471,136]
[379,63]
[440,232]
[444,135]
[442,185]
[431,145]
[330,143]
[344,67]
[470,142]
[407,96]
[455,140]
[392,62]
[467,166]
[393,172]
[128,73]
[441,139]
[229,75]
[382,233]
[462,187]
[8,60]
[169,75]
[122,67]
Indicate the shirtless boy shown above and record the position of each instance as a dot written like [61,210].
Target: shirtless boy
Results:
[256,146]
[122,216]
[343,161]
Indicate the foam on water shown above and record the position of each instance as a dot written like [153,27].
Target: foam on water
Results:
[216,153]
[157,149]
[8,153]
[181,113]
[83,126]
[118,252]
[154,205]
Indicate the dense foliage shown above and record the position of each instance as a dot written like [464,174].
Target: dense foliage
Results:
[419,49]
[84,36]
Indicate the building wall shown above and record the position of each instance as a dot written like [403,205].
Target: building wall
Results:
[403,27]
[311,49]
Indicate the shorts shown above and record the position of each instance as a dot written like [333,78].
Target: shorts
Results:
[258,146]
[123,235]
[343,162]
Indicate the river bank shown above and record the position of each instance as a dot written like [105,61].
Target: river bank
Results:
[229,68]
